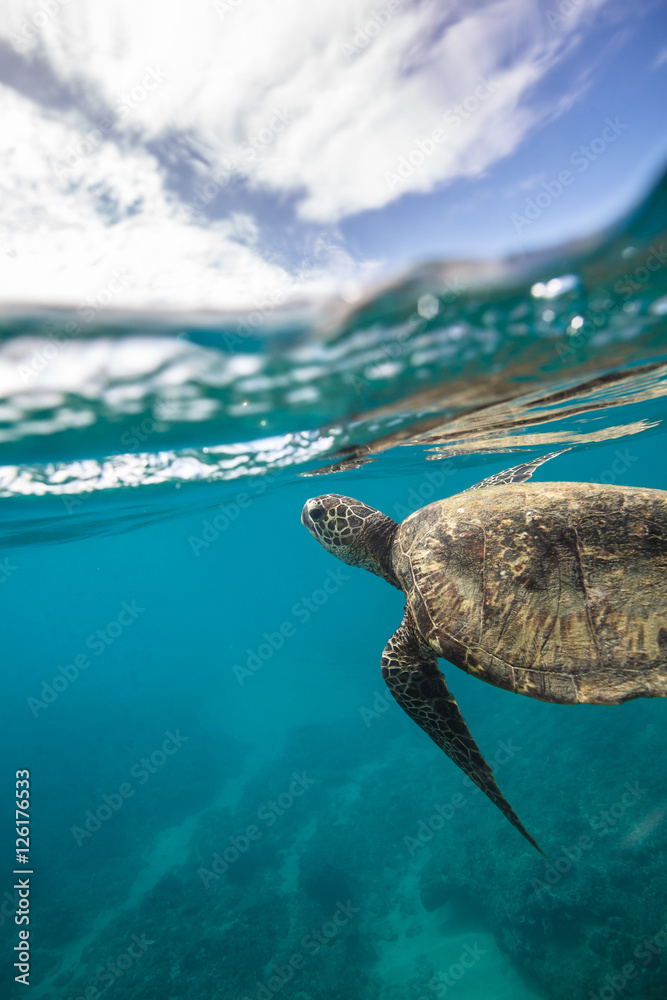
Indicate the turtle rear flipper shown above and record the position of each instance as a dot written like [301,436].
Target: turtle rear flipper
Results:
[411,674]
[518,473]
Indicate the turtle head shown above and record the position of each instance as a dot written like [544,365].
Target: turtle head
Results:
[353,532]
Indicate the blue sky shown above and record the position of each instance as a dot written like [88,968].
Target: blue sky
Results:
[236,152]
[624,63]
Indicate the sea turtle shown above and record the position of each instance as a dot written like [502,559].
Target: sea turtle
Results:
[557,591]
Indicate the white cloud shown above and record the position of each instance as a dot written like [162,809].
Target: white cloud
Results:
[315,103]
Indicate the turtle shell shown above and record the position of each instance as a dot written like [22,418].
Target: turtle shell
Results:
[553,590]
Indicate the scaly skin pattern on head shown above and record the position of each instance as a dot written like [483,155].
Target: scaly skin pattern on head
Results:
[355,533]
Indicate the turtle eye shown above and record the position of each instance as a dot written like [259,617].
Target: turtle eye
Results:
[317,513]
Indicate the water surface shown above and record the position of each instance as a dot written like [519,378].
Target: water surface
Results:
[225,802]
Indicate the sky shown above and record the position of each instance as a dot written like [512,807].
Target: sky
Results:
[226,154]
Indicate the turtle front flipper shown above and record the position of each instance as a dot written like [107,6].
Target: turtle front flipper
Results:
[411,674]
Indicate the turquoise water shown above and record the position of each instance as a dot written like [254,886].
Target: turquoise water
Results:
[225,803]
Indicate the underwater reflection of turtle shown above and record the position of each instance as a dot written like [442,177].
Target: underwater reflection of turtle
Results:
[553,590]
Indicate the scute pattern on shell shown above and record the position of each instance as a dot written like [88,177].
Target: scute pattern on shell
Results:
[553,590]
